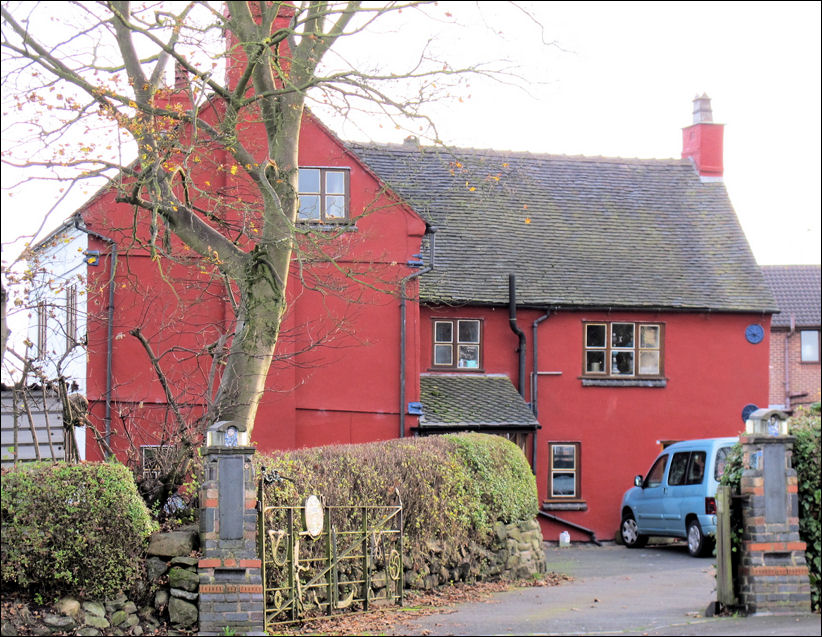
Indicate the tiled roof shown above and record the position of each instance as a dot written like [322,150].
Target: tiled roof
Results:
[577,231]
[796,288]
[472,401]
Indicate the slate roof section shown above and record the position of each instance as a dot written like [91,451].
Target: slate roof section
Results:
[577,231]
[797,292]
[472,401]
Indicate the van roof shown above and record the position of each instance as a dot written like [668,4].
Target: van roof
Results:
[703,442]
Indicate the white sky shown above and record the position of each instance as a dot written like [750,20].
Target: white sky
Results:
[621,83]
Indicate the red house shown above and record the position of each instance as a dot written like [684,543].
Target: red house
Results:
[590,309]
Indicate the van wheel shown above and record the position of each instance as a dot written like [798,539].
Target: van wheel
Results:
[629,531]
[698,544]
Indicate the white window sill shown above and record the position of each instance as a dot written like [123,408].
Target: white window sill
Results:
[624,382]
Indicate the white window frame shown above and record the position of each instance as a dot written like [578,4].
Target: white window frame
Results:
[809,347]
[574,470]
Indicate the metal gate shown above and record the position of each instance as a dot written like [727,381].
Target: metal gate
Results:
[319,559]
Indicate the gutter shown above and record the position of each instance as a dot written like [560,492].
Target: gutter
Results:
[430,230]
[576,527]
[110,327]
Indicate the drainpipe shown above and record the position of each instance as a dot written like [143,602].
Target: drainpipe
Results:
[512,322]
[110,328]
[788,362]
[535,374]
[571,525]
[431,231]
[535,383]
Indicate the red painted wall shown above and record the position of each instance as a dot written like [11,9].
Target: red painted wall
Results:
[712,372]
[336,373]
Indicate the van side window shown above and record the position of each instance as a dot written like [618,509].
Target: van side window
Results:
[721,459]
[679,466]
[654,477]
[696,468]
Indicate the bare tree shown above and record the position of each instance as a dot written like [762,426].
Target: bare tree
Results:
[108,68]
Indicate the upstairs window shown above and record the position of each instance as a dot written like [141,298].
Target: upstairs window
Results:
[810,346]
[42,330]
[71,317]
[323,195]
[457,343]
[623,350]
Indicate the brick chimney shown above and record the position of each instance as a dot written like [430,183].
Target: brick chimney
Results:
[702,141]
[235,55]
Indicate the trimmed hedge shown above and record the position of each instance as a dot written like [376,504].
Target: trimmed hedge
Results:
[453,487]
[78,529]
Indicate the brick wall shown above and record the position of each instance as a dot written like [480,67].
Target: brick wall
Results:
[803,378]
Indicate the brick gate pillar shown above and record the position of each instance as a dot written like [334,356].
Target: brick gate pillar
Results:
[231,587]
[773,572]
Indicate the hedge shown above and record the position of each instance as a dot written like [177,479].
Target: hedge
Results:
[453,487]
[79,529]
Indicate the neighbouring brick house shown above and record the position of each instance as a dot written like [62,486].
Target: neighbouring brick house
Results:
[795,329]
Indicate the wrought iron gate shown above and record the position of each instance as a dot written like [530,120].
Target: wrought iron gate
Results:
[319,559]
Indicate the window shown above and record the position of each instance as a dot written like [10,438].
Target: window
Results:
[687,467]
[457,343]
[42,327]
[71,316]
[810,346]
[657,472]
[563,475]
[323,195]
[621,350]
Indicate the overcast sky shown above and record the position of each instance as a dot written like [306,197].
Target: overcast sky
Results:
[620,82]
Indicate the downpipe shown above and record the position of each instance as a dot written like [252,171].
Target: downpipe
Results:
[571,525]
[431,231]
[110,326]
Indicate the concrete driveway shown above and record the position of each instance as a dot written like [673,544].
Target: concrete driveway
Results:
[658,590]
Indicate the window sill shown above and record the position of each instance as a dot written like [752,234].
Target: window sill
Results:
[554,505]
[457,370]
[624,382]
[342,226]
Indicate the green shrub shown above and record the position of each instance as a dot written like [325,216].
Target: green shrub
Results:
[73,528]
[503,486]
[805,427]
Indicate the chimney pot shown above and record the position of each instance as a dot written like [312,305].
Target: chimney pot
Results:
[702,109]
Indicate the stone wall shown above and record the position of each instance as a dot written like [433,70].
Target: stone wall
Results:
[171,571]
[516,552]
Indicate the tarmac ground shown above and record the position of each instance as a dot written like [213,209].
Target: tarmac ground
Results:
[657,590]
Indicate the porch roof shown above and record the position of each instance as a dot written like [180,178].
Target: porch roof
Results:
[472,402]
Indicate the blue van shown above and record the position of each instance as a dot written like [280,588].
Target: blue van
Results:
[677,497]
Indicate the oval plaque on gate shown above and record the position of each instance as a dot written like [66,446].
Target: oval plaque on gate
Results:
[313,512]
